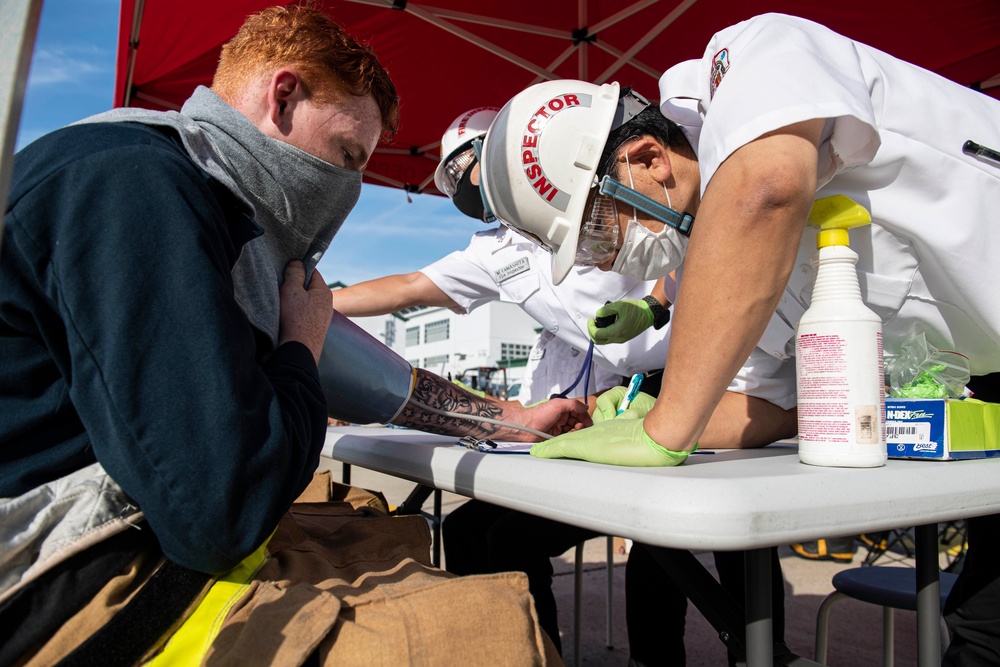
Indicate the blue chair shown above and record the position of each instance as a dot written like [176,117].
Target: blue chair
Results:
[889,587]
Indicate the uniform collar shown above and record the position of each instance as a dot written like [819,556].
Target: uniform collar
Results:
[681,96]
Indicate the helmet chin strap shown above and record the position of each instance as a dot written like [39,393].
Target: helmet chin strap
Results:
[488,216]
[682,222]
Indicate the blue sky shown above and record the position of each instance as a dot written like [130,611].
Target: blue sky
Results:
[73,75]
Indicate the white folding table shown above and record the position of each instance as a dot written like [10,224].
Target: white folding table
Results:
[726,500]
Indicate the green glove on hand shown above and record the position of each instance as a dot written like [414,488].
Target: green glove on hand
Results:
[620,442]
[634,317]
[609,402]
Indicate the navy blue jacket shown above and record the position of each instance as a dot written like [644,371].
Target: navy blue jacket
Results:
[121,342]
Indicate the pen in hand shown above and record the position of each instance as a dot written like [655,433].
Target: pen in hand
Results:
[633,390]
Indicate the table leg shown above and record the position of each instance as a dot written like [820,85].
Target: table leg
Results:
[414,504]
[609,601]
[928,597]
[759,642]
[727,615]
[436,544]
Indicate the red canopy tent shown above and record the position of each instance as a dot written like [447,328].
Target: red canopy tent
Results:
[445,59]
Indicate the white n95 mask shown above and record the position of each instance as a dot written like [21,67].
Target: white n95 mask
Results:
[647,255]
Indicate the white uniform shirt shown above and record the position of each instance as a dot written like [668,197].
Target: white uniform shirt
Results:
[501,265]
[554,365]
[893,143]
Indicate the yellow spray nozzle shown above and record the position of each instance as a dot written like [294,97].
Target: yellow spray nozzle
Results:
[834,216]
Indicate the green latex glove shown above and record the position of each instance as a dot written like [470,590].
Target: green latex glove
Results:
[634,317]
[924,385]
[620,442]
[608,402]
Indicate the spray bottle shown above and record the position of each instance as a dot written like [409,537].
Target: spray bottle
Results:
[838,348]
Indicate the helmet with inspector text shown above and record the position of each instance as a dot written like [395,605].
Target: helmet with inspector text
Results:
[456,147]
[539,162]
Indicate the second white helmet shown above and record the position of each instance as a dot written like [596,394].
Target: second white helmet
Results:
[470,125]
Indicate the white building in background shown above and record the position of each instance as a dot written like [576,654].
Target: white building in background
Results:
[496,335]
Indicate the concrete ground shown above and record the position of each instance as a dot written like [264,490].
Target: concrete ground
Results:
[855,634]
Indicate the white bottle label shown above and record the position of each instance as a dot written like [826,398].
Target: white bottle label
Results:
[840,394]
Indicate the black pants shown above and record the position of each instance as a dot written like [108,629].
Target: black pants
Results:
[973,608]
[655,607]
[480,538]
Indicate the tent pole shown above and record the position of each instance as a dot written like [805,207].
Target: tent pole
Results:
[581,58]
[559,60]
[385,179]
[480,19]
[634,62]
[495,49]
[420,151]
[438,16]
[497,23]
[644,40]
[435,20]
[139,95]
[18,29]
[622,15]
[133,46]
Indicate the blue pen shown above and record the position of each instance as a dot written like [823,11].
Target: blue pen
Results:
[633,390]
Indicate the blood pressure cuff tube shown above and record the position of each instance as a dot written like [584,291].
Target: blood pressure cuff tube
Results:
[363,380]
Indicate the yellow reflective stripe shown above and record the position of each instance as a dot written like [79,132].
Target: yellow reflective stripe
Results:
[189,644]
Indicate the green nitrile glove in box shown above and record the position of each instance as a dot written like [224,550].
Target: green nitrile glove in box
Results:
[941,429]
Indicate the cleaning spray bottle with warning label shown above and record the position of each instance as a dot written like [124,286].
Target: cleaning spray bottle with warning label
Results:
[838,348]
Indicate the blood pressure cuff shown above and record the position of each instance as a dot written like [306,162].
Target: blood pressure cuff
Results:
[363,380]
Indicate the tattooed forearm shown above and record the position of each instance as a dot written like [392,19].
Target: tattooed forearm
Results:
[440,394]
[435,395]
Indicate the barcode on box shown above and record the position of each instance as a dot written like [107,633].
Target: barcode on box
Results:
[907,433]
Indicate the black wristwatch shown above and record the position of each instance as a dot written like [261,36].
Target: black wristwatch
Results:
[661,315]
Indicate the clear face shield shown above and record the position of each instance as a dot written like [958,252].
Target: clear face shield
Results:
[598,232]
[455,169]
[599,229]
[614,190]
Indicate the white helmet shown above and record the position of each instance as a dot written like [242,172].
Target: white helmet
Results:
[540,158]
[458,137]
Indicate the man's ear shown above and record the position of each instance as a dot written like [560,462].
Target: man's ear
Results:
[284,92]
[652,155]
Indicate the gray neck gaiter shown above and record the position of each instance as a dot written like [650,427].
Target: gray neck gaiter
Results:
[299,200]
